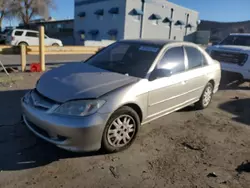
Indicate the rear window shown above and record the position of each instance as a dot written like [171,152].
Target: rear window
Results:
[236,40]
[18,33]
[31,34]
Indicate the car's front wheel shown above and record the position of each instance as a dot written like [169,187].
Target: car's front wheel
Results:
[206,97]
[121,130]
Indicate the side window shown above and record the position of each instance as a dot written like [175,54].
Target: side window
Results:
[195,58]
[173,60]
[18,33]
[31,34]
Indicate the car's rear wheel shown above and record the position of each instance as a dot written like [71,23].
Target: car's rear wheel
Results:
[121,130]
[206,97]
[55,44]
[23,43]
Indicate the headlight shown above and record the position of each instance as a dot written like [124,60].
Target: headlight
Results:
[80,108]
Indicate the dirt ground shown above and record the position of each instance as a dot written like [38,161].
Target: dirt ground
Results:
[186,149]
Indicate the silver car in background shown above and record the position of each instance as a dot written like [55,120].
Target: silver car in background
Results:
[102,102]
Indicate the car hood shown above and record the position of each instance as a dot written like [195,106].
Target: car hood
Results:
[233,48]
[80,81]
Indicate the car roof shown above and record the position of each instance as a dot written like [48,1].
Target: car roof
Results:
[157,42]
[25,30]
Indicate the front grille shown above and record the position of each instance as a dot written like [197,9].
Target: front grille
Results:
[229,57]
[39,101]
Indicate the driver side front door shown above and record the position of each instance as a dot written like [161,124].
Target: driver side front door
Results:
[168,93]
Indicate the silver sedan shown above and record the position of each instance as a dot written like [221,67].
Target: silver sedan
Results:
[102,102]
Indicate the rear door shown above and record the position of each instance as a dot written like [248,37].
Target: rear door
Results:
[32,38]
[196,73]
[47,41]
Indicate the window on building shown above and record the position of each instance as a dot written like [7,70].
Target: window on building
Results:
[155,18]
[82,14]
[18,33]
[113,34]
[59,26]
[155,22]
[173,60]
[99,14]
[137,17]
[137,14]
[167,21]
[179,24]
[31,34]
[100,17]
[114,12]
[94,34]
[195,57]
[82,35]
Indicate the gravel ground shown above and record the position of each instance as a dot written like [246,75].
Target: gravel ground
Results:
[186,149]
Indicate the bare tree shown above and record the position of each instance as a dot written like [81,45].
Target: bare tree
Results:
[241,30]
[4,10]
[26,10]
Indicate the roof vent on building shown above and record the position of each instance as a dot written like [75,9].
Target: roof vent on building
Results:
[99,12]
[155,17]
[82,14]
[114,10]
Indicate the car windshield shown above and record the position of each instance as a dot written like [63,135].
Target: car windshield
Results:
[132,59]
[236,40]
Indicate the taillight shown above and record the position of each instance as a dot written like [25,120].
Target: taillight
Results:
[12,38]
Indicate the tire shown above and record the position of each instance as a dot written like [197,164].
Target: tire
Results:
[55,44]
[204,100]
[121,132]
[23,43]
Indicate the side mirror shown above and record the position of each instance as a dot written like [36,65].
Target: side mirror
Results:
[160,73]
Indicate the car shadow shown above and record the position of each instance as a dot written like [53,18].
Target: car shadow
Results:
[239,108]
[20,149]
[231,81]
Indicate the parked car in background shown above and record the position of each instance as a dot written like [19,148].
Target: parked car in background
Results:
[2,38]
[103,102]
[3,35]
[18,37]
[233,54]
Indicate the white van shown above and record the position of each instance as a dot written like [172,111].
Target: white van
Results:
[18,37]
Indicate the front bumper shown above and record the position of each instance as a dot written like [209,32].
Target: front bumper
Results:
[77,134]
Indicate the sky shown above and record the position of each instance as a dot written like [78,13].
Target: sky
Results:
[214,10]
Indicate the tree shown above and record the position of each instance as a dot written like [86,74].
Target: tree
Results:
[26,10]
[4,10]
[241,30]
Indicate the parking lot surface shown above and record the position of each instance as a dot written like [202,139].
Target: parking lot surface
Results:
[188,148]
